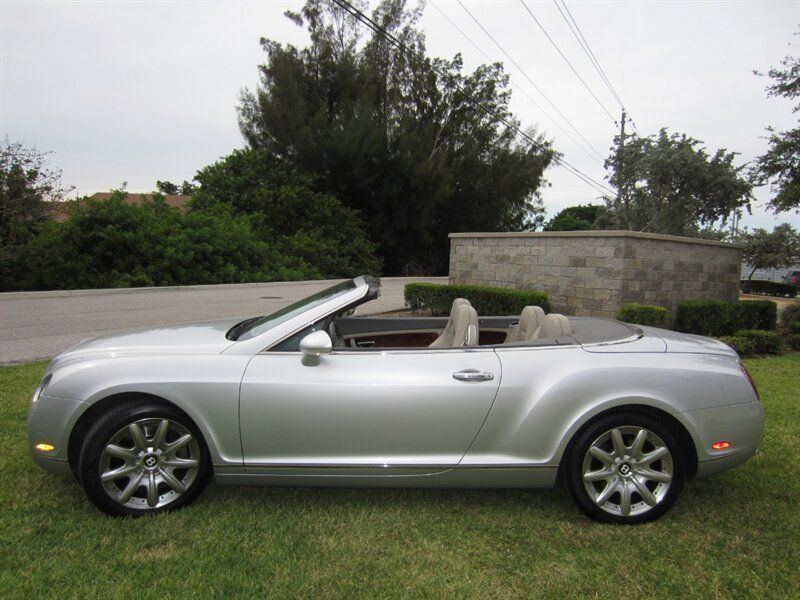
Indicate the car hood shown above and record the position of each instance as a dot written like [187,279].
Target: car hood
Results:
[688,343]
[193,338]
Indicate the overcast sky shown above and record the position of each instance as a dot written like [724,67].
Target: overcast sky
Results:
[140,91]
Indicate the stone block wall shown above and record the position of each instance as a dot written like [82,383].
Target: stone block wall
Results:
[593,273]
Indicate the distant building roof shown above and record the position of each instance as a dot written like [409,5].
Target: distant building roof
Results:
[58,210]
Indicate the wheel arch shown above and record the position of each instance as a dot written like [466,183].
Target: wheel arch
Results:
[675,426]
[103,405]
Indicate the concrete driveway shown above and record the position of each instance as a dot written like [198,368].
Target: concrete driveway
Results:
[36,325]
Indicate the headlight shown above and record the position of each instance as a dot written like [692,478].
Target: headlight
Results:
[42,386]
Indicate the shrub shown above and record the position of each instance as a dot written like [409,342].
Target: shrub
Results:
[793,341]
[486,300]
[768,288]
[764,342]
[758,314]
[643,314]
[744,346]
[790,318]
[718,317]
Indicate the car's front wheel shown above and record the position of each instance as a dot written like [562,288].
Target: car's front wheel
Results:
[625,468]
[142,458]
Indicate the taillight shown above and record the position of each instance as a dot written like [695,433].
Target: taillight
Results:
[750,379]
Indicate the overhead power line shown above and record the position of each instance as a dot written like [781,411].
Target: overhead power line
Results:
[375,27]
[566,60]
[518,87]
[531,81]
[584,44]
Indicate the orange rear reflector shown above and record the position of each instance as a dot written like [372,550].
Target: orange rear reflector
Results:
[720,445]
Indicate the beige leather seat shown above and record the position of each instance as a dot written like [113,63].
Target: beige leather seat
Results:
[553,326]
[461,328]
[529,322]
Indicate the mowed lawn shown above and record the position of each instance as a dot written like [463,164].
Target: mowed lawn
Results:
[734,535]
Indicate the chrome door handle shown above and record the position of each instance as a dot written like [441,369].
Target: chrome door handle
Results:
[473,375]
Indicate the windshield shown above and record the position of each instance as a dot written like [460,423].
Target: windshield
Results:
[258,325]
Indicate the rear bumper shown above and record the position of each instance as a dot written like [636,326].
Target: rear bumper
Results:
[718,465]
[742,425]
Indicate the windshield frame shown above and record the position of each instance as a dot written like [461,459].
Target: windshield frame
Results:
[261,325]
[366,288]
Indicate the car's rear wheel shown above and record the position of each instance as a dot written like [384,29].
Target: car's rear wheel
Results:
[625,468]
[142,458]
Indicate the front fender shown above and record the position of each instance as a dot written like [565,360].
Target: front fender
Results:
[206,388]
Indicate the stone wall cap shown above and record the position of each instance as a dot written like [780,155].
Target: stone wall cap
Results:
[595,233]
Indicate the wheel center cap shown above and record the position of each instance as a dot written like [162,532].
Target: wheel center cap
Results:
[625,468]
[150,461]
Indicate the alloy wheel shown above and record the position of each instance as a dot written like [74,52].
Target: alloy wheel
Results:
[149,463]
[627,471]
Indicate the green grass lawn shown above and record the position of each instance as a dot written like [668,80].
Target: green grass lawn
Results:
[734,535]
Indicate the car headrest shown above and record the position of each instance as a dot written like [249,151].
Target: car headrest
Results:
[553,326]
[529,322]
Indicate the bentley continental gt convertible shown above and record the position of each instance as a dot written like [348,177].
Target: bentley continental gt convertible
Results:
[314,395]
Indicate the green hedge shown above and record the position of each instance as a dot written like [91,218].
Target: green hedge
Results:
[793,341]
[749,342]
[768,288]
[718,317]
[485,300]
[643,314]
[790,318]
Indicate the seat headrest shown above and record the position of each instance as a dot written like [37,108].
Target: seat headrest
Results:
[465,326]
[448,337]
[529,321]
[553,325]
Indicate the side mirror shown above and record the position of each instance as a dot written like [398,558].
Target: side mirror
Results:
[316,344]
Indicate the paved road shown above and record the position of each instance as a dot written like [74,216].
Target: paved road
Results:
[37,325]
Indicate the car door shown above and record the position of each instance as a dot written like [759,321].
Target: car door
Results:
[360,408]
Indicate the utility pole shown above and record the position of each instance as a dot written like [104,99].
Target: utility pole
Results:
[622,200]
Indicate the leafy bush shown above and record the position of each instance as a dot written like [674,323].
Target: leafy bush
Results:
[719,317]
[793,341]
[643,314]
[764,342]
[768,288]
[757,314]
[486,300]
[790,318]
[744,346]
[749,342]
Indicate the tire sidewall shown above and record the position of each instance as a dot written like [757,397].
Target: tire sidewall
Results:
[106,426]
[581,444]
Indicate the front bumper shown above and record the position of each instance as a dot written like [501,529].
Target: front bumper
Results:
[50,420]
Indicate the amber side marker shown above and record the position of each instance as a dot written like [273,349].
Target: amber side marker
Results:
[45,447]
[720,445]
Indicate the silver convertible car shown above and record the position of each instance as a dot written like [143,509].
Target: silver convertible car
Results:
[315,395]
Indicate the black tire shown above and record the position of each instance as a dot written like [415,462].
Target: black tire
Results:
[115,421]
[628,422]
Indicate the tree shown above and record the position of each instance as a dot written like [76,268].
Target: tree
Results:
[780,164]
[380,130]
[170,189]
[577,218]
[668,183]
[26,186]
[313,228]
[764,250]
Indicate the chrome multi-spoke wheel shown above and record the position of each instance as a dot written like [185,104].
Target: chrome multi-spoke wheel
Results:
[625,468]
[142,458]
[149,463]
